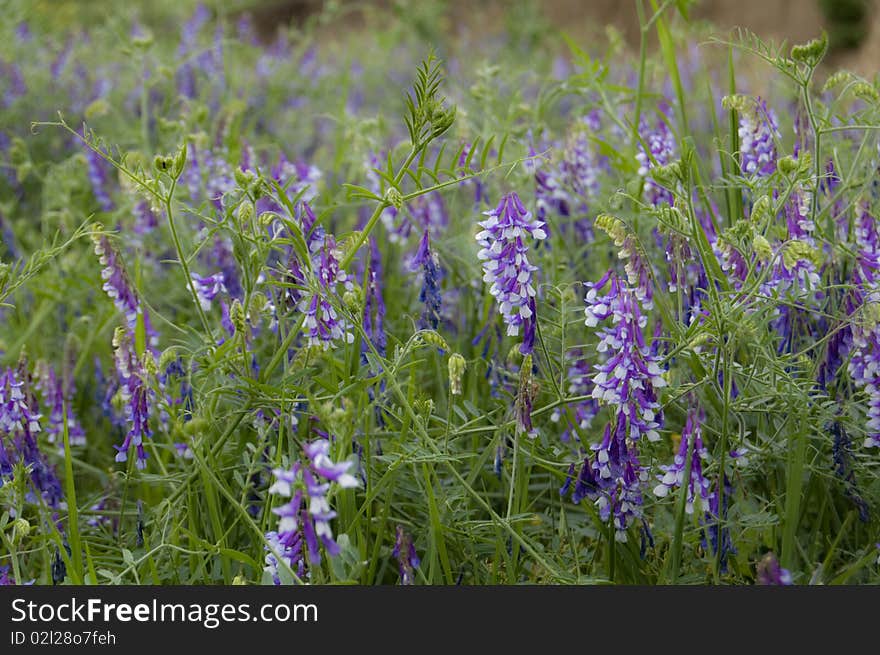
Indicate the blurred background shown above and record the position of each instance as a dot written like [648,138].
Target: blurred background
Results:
[853,26]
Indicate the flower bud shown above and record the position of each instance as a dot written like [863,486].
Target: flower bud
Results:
[393,198]
[812,52]
[179,160]
[236,316]
[787,165]
[433,338]
[457,367]
[21,528]
[762,248]
[150,366]
[163,164]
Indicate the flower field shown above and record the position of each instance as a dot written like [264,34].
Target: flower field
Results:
[402,305]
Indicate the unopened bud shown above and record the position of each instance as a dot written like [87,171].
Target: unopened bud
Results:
[21,528]
[393,198]
[433,338]
[236,316]
[457,367]
[762,248]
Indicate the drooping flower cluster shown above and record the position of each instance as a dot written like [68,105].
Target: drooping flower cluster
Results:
[660,151]
[628,378]
[374,302]
[305,518]
[100,179]
[758,131]
[19,425]
[322,323]
[116,282]
[625,381]
[699,492]
[429,296]
[796,276]
[637,266]
[506,267]
[135,395]
[57,396]
[864,364]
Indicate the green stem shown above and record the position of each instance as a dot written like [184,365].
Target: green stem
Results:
[76,574]
[725,413]
[179,249]
[675,555]
[365,233]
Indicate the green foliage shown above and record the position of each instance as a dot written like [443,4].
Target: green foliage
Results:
[430,419]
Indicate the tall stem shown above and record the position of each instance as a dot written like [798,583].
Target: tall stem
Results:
[182,259]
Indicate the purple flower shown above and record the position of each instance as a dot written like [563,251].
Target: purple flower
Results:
[288,547]
[100,179]
[219,174]
[116,282]
[506,267]
[19,426]
[55,397]
[661,146]
[581,167]
[864,364]
[626,381]
[322,323]
[6,579]
[407,558]
[314,234]
[305,519]
[208,287]
[627,378]
[699,488]
[14,86]
[429,295]
[551,198]
[136,397]
[222,258]
[144,217]
[613,480]
[297,178]
[318,454]
[771,573]
[758,131]
[374,302]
